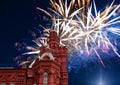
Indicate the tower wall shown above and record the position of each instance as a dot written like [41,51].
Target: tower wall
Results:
[46,66]
[56,65]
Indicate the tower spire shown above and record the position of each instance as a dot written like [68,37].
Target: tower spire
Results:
[53,24]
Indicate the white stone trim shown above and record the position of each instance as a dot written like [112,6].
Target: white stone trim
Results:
[47,54]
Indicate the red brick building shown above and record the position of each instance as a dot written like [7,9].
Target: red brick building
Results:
[47,69]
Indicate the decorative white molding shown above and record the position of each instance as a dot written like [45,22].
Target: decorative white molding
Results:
[30,75]
[47,54]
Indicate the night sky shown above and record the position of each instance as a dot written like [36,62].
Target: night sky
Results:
[17,18]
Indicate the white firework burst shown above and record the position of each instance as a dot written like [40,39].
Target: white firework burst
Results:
[93,34]
[75,33]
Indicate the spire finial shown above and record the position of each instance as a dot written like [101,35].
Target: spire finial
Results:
[53,23]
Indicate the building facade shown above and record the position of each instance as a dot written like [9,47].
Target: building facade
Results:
[47,69]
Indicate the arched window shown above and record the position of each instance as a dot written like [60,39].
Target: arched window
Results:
[12,83]
[3,83]
[45,79]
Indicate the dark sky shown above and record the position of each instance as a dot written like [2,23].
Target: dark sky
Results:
[17,18]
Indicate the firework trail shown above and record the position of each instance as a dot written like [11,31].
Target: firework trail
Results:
[82,30]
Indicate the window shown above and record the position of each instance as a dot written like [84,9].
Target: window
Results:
[30,75]
[12,83]
[45,80]
[3,83]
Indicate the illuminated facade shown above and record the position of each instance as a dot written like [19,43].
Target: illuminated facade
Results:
[48,69]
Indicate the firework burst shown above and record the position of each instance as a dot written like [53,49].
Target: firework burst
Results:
[94,34]
[80,29]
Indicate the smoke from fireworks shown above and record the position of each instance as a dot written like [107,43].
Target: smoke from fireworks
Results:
[82,28]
